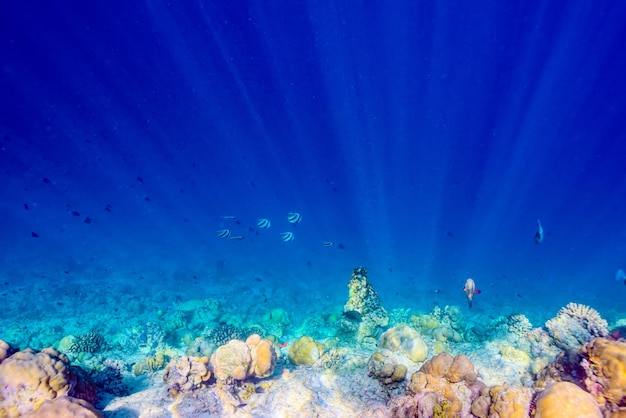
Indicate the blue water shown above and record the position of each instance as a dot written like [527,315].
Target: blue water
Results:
[424,140]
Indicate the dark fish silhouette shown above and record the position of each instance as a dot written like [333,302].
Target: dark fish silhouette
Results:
[46,180]
[87,220]
[341,246]
[34,235]
[147,199]
[26,206]
[354,316]
[139,179]
[75,213]
[108,208]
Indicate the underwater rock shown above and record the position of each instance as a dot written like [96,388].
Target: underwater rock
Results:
[565,399]
[187,374]
[503,401]
[363,300]
[305,351]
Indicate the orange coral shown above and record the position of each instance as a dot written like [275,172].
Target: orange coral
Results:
[565,399]
[608,363]
[232,360]
[263,356]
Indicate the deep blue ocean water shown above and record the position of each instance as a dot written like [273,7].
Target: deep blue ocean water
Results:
[424,139]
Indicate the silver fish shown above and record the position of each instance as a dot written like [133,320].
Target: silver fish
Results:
[223,233]
[236,237]
[229,217]
[294,217]
[287,236]
[263,223]
[539,234]
[328,243]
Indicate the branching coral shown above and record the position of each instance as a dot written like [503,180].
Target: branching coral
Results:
[575,325]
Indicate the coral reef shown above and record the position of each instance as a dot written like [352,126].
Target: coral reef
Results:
[406,340]
[306,351]
[187,374]
[224,333]
[384,366]
[575,325]
[605,363]
[239,360]
[263,356]
[92,342]
[5,350]
[64,407]
[503,401]
[364,306]
[565,399]
[445,386]
[518,324]
[29,378]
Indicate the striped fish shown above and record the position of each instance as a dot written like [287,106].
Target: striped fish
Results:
[328,243]
[263,223]
[286,236]
[294,217]
[223,233]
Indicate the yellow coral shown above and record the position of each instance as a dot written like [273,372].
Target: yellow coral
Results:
[232,360]
[515,355]
[565,399]
[405,339]
[29,378]
[305,351]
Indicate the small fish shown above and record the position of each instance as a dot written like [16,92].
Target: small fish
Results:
[46,180]
[283,345]
[229,217]
[354,316]
[470,290]
[75,213]
[620,276]
[263,223]
[328,243]
[34,235]
[147,199]
[539,233]
[236,237]
[87,220]
[139,179]
[108,208]
[286,236]
[223,233]
[294,217]
[341,246]
[26,206]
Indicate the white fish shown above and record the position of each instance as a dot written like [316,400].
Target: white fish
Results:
[236,237]
[328,243]
[223,233]
[287,236]
[229,217]
[539,233]
[263,223]
[294,217]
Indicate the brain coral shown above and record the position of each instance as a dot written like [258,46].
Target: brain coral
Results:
[405,339]
[232,360]
[65,407]
[565,399]
[575,325]
[187,374]
[306,351]
[29,378]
